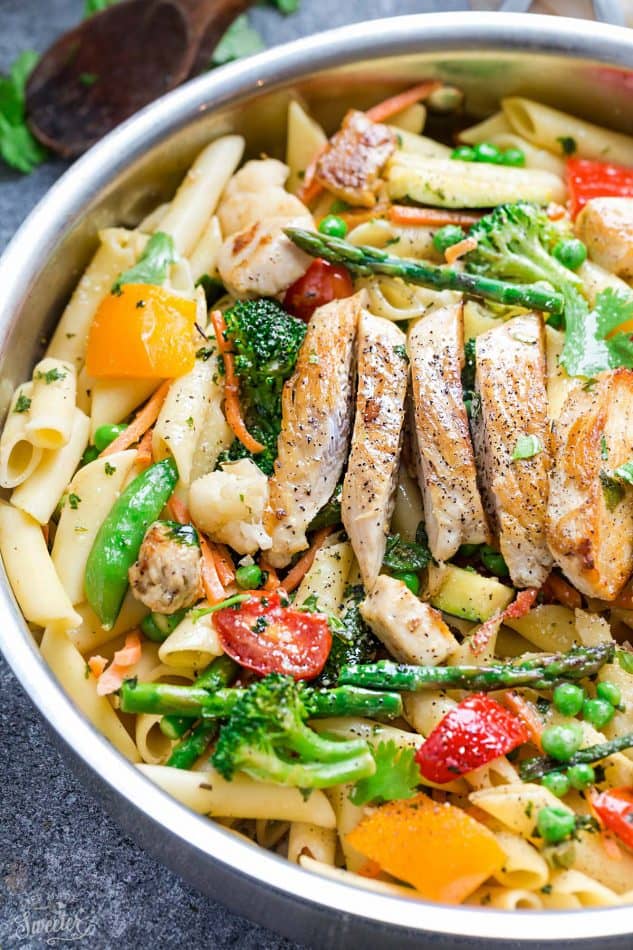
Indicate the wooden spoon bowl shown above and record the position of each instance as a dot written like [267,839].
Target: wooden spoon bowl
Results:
[118,61]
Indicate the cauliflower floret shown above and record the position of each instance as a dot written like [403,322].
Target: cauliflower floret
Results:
[261,261]
[229,506]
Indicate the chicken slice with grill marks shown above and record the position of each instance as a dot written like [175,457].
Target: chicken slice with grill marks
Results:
[512,443]
[412,631]
[315,427]
[372,471]
[590,514]
[351,163]
[445,461]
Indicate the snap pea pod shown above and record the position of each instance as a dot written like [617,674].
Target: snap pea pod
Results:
[120,536]
[219,673]
[169,699]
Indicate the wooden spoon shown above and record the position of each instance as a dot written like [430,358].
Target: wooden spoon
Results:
[118,61]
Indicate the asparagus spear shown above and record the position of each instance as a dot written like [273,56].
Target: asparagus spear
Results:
[192,746]
[365,260]
[536,768]
[197,703]
[541,672]
[218,674]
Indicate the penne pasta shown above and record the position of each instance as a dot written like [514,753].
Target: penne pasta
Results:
[89,498]
[552,129]
[41,492]
[305,138]
[18,456]
[50,421]
[26,557]
[197,198]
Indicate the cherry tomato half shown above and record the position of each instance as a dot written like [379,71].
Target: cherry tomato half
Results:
[321,283]
[614,808]
[475,732]
[266,637]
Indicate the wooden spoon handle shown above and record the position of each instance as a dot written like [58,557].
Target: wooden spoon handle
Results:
[208,20]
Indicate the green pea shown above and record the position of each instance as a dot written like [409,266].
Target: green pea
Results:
[106,434]
[249,576]
[485,152]
[555,823]
[581,776]
[513,157]
[410,579]
[557,783]
[463,153]
[571,253]
[562,741]
[333,226]
[598,712]
[568,698]
[493,561]
[447,236]
[157,627]
[91,453]
[609,692]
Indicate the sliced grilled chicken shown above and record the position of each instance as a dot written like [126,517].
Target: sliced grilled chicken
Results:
[315,427]
[412,631]
[453,511]
[372,471]
[351,163]
[512,443]
[256,258]
[590,515]
[606,227]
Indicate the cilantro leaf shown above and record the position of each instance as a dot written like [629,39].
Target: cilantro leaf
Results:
[625,659]
[406,555]
[152,266]
[587,351]
[18,148]
[96,6]
[240,40]
[285,6]
[397,776]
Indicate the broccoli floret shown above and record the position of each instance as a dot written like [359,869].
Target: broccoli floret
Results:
[514,243]
[266,736]
[352,639]
[266,342]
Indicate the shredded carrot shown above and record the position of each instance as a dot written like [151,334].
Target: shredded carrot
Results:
[370,869]
[223,563]
[518,608]
[96,665]
[556,588]
[110,680]
[294,577]
[145,455]
[430,217]
[555,211]
[395,104]
[310,188]
[141,422]
[625,597]
[272,581]
[527,714]
[214,592]
[178,510]
[232,407]
[455,251]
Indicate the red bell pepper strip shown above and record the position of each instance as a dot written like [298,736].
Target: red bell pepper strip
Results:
[588,179]
[321,283]
[266,637]
[477,731]
[614,808]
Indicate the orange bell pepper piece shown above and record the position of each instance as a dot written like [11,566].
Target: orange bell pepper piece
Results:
[144,331]
[439,849]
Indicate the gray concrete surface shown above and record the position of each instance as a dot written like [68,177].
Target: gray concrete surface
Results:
[59,852]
